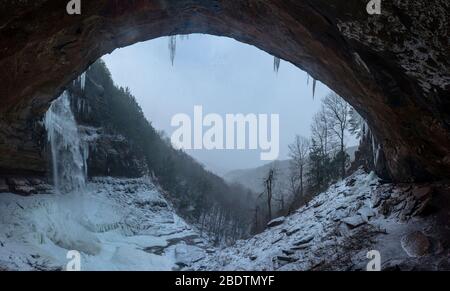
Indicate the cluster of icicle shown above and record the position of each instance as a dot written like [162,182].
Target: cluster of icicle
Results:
[276,60]
[173,45]
[69,152]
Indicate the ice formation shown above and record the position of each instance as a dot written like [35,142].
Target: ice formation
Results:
[69,152]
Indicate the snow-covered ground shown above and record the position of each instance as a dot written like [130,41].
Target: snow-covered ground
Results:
[117,224]
[126,224]
[336,231]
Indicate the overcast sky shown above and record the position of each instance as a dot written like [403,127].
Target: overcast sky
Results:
[222,75]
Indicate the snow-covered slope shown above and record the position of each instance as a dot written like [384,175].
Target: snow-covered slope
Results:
[117,224]
[126,224]
[337,230]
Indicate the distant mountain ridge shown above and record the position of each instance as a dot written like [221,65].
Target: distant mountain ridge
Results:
[253,178]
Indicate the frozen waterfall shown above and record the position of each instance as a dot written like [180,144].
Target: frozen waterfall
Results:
[69,152]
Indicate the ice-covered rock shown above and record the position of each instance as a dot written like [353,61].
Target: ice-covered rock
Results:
[354,221]
[276,221]
[111,226]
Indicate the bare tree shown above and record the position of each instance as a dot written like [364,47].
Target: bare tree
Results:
[337,111]
[268,184]
[320,130]
[298,152]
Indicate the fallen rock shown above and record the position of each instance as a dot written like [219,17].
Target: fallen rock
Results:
[354,221]
[21,186]
[277,240]
[410,204]
[276,221]
[318,203]
[421,206]
[366,213]
[286,259]
[415,244]
[157,250]
[292,231]
[44,188]
[350,182]
[344,230]
[24,190]
[300,247]
[304,240]
[421,192]
[287,252]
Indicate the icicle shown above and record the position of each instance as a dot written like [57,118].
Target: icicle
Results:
[69,152]
[307,79]
[184,36]
[375,150]
[276,64]
[83,81]
[172,47]
[314,87]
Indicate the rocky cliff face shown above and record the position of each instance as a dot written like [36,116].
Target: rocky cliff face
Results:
[393,68]
[110,154]
[369,157]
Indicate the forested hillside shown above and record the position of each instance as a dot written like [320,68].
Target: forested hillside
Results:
[200,196]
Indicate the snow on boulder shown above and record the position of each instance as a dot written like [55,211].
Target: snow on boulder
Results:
[366,213]
[276,221]
[304,240]
[354,221]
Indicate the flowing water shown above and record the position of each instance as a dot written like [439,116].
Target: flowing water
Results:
[69,152]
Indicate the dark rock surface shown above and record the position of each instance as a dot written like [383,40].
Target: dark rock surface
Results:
[275,222]
[393,68]
[25,186]
[110,154]
[415,244]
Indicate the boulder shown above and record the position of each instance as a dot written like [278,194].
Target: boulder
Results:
[21,186]
[304,240]
[276,221]
[366,213]
[353,221]
[422,192]
[286,259]
[415,244]
[287,252]
[292,231]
